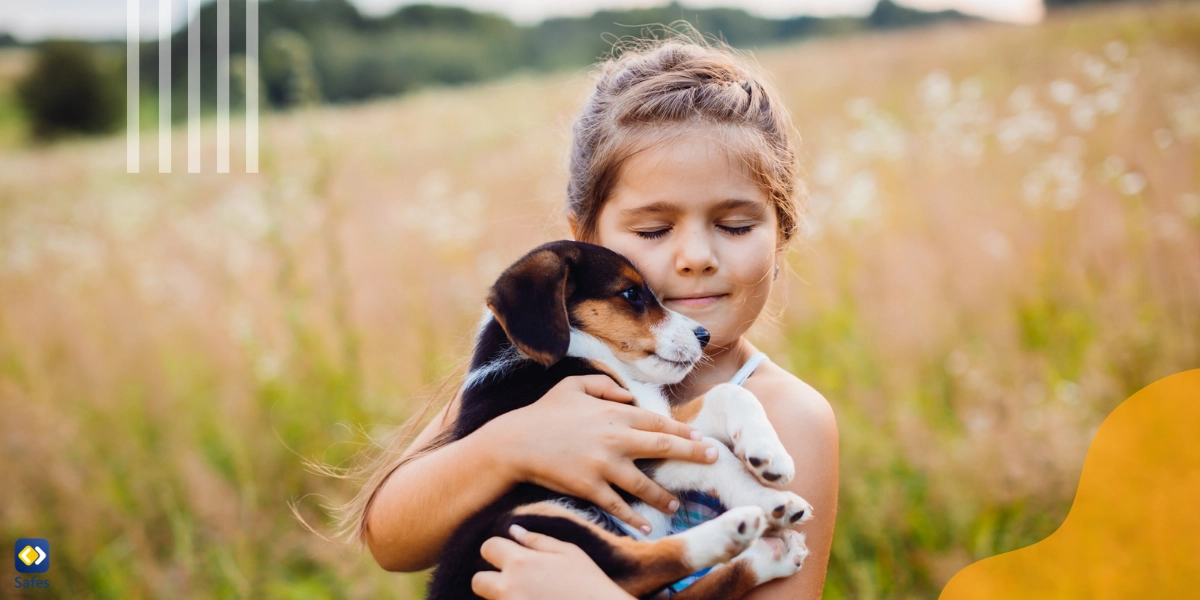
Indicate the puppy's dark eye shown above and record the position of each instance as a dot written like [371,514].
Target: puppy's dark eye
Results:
[634,296]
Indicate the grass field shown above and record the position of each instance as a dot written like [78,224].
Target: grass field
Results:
[1003,244]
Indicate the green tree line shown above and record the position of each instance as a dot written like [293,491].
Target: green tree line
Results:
[327,51]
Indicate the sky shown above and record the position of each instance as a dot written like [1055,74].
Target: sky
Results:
[106,19]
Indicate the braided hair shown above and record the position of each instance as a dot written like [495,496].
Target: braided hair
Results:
[660,88]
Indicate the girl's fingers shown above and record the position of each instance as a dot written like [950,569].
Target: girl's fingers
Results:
[537,541]
[608,500]
[634,481]
[661,445]
[651,421]
[498,551]
[487,584]
[603,387]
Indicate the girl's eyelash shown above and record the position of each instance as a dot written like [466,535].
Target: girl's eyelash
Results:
[650,235]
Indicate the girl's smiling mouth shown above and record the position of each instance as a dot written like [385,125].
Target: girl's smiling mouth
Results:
[696,302]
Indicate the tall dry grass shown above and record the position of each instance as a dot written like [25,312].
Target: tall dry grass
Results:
[1004,243]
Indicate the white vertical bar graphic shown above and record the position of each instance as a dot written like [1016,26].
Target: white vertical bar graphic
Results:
[251,86]
[132,65]
[193,86]
[222,86]
[164,86]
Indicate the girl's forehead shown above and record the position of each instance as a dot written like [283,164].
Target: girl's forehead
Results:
[683,173]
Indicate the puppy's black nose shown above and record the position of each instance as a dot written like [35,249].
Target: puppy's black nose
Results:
[702,335]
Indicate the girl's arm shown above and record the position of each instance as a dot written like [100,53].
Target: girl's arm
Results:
[575,440]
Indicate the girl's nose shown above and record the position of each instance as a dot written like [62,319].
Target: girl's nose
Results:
[695,253]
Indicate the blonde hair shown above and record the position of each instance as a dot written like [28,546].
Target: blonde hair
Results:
[374,465]
[658,87]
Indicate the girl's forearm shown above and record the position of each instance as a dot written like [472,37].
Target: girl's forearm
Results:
[423,502]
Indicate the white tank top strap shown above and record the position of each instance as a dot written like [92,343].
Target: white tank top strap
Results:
[748,368]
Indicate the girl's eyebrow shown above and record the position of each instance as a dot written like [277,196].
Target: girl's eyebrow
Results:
[662,207]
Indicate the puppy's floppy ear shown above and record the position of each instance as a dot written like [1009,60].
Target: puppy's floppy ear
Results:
[529,301]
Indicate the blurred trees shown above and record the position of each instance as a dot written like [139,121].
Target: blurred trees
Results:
[889,15]
[69,90]
[353,57]
[1054,4]
[326,51]
[290,76]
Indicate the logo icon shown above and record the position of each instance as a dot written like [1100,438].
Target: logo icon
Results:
[31,555]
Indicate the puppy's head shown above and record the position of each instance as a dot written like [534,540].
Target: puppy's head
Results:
[568,286]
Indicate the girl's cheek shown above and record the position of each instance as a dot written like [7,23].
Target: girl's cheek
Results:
[752,271]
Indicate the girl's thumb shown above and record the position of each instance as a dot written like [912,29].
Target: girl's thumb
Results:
[533,540]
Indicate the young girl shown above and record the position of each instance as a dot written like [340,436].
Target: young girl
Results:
[683,162]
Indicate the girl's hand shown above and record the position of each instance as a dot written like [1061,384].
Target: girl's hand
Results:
[541,567]
[583,435]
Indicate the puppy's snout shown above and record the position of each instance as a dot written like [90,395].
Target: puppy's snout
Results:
[702,335]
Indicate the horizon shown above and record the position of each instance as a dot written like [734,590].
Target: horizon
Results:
[104,20]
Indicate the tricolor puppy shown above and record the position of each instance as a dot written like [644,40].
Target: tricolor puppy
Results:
[570,308]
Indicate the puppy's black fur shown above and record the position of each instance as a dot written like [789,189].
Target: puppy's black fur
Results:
[531,299]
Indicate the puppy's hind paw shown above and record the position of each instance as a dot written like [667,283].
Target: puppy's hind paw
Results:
[724,537]
[777,555]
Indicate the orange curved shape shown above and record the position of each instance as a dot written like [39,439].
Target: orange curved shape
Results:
[1134,528]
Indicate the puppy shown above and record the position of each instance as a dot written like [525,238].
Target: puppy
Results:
[570,308]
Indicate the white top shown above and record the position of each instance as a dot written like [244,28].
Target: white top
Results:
[740,377]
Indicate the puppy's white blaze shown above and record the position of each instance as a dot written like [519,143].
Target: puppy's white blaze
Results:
[674,342]
[678,338]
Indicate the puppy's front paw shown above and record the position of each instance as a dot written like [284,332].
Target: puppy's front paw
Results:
[763,454]
[751,435]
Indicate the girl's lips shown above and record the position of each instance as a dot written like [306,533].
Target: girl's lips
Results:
[696,302]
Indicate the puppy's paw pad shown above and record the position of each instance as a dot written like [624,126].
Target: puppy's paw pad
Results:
[788,509]
[777,555]
[764,457]
[745,524]
[796,549]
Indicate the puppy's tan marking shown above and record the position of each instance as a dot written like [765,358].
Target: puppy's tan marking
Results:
[632,275]
[609,321]
[688,411]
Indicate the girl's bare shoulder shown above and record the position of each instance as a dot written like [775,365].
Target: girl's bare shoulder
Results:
[789,399]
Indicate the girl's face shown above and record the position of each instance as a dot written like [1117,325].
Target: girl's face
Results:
[699,229]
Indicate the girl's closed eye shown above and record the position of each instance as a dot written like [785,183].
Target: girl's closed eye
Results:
[653,234]
[730,229]
[737,229]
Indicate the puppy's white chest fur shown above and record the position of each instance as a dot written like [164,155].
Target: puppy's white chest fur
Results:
[649,396]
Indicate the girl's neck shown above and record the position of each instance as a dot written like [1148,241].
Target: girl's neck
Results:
[718,367]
